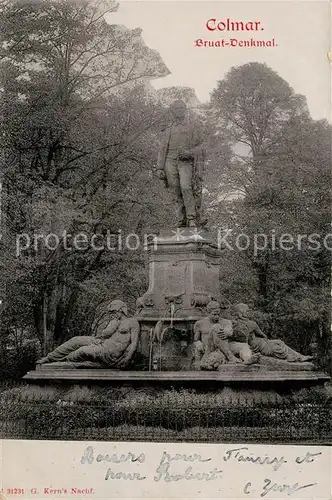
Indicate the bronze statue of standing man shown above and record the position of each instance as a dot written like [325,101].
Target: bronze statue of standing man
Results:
[181,163]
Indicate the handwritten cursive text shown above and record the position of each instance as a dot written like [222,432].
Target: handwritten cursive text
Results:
[88,457]
[235,454]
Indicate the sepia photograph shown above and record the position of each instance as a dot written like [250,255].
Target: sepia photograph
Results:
[165,231]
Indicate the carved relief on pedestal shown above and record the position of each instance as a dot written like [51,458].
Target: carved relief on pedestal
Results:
[186,268]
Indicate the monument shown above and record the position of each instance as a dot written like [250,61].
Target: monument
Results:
[179,330]
[181,164]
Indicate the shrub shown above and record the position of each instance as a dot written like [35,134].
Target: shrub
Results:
[82,394]
[17,361]
[81,411]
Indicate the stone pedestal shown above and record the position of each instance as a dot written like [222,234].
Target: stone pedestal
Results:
[183,275]
[227,375]
[183,278]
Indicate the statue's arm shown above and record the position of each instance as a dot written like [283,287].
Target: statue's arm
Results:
[108,331]
[160,162]
[197,332]
[134,336]
[162,152]
[199,143]
[198,344]
[257,331]
[197,151]
[228,330]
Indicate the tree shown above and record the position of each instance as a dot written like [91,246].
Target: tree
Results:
[253,104]
[282,176]
[72,147]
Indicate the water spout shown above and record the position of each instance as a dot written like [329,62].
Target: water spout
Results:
[172,313]
[151,340]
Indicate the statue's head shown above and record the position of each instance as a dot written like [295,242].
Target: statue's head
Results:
[118,308]
[241,310]
[178,109]
[213,310]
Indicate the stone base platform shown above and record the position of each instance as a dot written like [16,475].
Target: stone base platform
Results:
[229,375]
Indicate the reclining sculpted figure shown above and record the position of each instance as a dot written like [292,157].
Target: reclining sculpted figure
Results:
[211,339]
[113,347]
[218,340]
[246,330]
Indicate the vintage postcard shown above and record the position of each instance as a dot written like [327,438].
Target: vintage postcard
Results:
[165,243]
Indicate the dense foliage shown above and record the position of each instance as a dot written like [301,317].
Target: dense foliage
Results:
[282,168]
[151,414]
[80,126]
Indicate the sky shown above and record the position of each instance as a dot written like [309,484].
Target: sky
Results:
[302,30]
